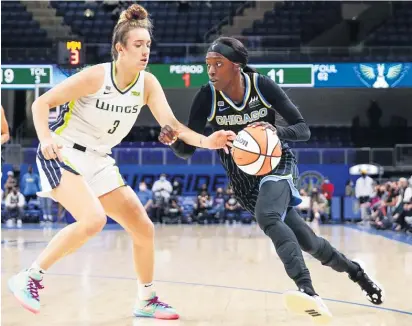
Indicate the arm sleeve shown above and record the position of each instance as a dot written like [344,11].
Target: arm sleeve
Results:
[297,130]
[199,112]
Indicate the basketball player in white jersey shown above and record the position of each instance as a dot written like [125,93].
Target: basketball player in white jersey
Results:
[75,167]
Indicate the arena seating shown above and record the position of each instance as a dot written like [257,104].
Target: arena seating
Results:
[395,32]
[19,32]
[170,21]
[289,24]
[295,22]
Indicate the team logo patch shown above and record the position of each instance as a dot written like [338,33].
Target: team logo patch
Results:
[254,101]
[381,75]
[135,93]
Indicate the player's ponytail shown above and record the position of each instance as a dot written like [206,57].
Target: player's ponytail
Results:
[232,49]
[133,17]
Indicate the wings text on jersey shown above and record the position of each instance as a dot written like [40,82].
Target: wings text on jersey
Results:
[102,105]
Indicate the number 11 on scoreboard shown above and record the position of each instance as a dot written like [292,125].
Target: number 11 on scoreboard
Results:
[280,74]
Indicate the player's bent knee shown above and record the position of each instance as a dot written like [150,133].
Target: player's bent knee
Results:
[94,224]
[266,217]
[144,234]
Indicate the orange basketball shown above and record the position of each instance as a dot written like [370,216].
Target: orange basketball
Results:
[256,151]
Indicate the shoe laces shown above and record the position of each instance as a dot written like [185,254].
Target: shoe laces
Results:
[155,302]
[33,287]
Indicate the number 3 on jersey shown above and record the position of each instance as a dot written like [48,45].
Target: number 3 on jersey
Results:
[115,125]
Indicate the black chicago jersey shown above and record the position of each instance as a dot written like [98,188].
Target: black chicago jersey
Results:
[260,103]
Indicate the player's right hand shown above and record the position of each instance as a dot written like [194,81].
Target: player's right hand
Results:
[167,135]
[51,150]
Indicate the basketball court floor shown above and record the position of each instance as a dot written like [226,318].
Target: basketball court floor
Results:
[213,275]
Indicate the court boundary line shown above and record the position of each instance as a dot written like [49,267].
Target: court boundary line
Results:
[232,288]
[391,235]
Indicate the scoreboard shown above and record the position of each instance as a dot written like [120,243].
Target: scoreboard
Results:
[195,75]
[26,76]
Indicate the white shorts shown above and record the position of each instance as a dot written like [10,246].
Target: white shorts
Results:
[98,170]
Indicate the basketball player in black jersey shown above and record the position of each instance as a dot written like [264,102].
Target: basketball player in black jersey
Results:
[236,97]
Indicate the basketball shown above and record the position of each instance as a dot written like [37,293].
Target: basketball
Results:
[256,151]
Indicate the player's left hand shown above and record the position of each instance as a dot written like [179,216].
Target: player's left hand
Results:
[167,135]
[263,124]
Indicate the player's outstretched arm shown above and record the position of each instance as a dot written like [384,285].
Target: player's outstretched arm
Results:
[157,102]
[199,111]
[5,133]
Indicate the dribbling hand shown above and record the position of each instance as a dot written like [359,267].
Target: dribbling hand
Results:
[51,150]
[264,125]
[167,135]
[220,139]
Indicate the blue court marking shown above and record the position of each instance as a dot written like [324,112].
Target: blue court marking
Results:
[388,234]
[233,288]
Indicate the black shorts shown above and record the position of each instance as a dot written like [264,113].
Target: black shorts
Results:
[363,199]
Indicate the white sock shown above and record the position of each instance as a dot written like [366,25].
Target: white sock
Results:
[145,291]
[37,268]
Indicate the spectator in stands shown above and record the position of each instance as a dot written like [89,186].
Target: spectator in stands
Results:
[15,207]
[328,189]
[318,205]
[202,207]
[30,184]
[163,187]
[363,192]
[11,182]
[146,197]
[349,191]
[173,213]
[218,206]
[304,207]
[402,209]
[203,188]
[232,207]
[177,189]
[46,205]
[158,207]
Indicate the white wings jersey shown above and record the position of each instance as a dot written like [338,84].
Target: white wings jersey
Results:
[101,120]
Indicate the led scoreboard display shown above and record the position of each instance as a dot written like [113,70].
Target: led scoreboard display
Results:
[71,53]
[195,75]
[25,76]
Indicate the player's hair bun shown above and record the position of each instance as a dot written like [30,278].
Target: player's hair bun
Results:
[134,12]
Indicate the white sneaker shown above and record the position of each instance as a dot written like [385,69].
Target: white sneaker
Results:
[19,224]
[301,303]
[10,223]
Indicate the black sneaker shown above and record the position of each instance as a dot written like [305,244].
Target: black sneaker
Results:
[372,289]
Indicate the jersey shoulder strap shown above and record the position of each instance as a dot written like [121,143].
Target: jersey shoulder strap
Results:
[255,79]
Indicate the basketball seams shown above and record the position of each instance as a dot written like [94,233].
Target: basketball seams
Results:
[251,136]
[266,158]
[257,157]
[242,149]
